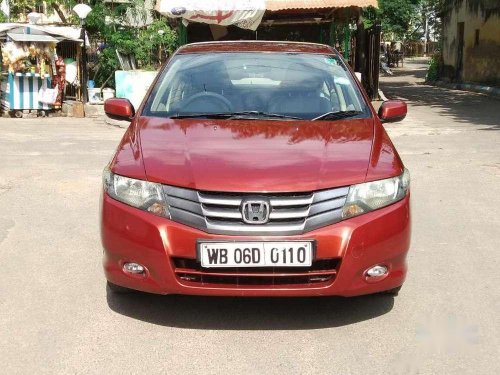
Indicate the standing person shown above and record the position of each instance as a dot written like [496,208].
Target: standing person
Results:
[59,80]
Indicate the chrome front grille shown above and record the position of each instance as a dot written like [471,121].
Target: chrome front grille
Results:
[290,213]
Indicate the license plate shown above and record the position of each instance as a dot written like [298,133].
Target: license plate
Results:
[256,254]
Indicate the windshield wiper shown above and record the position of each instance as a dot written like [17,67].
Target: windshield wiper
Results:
[231,115]
[337,115]
[265,114]
[203,115]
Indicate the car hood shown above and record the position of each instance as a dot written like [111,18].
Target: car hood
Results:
[255,156]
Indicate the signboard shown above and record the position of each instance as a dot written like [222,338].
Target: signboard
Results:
[133,85]
[246,14]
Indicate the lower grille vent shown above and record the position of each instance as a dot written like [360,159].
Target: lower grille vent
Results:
[321,271]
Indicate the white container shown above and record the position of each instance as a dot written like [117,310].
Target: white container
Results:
[94,95]
[107,94]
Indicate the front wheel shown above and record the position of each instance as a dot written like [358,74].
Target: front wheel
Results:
[117,289]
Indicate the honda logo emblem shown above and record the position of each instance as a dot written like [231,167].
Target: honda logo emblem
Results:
[255,211]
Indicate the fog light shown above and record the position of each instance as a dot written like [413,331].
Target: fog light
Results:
[351,211]
[134,268]
[377,271]
[158,209]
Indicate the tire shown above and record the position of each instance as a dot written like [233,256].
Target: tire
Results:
[117,289]
[393,292]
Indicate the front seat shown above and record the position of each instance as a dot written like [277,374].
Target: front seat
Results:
[301,92]
[206,84]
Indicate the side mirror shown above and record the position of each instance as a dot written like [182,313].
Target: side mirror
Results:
[119,109]
[392,111]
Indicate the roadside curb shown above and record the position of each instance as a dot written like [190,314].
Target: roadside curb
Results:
[381,95]
[487,90]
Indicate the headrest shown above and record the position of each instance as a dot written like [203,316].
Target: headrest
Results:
[302,76]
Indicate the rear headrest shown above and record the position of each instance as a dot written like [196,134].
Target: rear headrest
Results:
[302,76]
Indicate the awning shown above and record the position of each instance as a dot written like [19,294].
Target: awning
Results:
[276,5]
[32,38]
[246,14]
[57,32]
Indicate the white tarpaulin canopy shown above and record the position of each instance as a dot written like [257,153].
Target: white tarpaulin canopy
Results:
[246,14]
[32,38]
[58,32]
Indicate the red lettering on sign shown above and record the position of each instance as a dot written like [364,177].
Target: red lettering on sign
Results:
[221,16]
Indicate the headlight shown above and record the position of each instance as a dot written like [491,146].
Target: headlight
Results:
[373,195]
[147,196]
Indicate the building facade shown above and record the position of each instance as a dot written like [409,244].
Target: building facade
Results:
[471,42]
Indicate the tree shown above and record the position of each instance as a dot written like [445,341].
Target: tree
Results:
[149,45]
[23,7]
[58,5]
[398,17]
[431,25]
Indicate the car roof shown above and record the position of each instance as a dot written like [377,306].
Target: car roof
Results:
[256,46]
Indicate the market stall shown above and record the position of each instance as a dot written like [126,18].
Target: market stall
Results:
[33,75]
[30,63]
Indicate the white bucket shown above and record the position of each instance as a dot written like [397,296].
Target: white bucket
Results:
[107,94]
[94,95]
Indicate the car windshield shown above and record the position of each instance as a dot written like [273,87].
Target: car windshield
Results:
[250,85]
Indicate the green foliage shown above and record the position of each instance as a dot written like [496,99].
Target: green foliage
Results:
[107,23]
[434,66]
[23,7]
[431,10]
[150,45]
[399,15]
[370,16]
[396,16]
[406,19]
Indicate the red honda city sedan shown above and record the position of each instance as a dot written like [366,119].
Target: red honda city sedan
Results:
[256,169]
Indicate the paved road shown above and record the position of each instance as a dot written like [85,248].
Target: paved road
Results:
[56,316]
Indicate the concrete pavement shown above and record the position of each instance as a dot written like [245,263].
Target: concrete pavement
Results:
[57,317]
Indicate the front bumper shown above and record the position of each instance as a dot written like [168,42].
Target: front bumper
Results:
[132,235]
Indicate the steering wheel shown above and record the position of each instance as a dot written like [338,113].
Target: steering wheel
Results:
[207,102]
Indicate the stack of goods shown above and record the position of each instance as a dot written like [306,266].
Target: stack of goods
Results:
[35,58]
